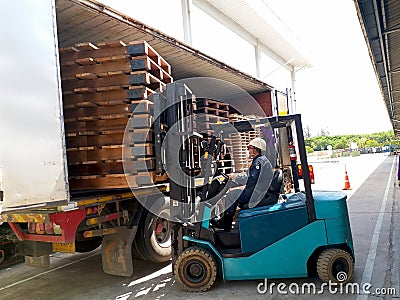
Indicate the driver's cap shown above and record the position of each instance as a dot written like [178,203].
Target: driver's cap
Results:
[258,143]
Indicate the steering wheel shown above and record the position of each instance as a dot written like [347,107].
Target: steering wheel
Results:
[224,175]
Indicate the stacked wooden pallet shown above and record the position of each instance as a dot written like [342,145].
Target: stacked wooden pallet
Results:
[239,143]
[212,111]
[107,114]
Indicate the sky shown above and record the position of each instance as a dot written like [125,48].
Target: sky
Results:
[339,93]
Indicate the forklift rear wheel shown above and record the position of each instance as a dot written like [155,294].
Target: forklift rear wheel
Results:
[195,270]
[335,265]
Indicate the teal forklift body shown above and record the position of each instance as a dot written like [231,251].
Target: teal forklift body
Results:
[265,225]
[285,258]
[288,256]
[332,207]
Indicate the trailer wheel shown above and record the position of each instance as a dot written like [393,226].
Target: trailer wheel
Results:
[195,270]
[335,265]
[83,244]
[89,245]
[153,241]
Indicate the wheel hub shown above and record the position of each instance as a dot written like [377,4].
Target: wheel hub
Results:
[196,270]
[162,232]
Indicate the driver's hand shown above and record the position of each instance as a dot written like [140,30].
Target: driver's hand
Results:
[233,176]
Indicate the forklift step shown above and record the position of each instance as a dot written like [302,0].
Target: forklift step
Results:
[228,240]
[231,253]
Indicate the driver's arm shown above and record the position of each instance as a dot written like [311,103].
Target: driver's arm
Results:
[240,179]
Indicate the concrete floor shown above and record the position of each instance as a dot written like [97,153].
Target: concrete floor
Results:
[374,209]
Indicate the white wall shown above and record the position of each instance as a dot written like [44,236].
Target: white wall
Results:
[208,35]
[216,40]
[273,73]
[165,16]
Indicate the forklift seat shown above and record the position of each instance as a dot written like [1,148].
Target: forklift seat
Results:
[272,196]
[263,226]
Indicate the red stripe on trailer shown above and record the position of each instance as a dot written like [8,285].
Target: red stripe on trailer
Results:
[68,221]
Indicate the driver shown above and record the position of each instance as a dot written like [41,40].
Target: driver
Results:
[256,181]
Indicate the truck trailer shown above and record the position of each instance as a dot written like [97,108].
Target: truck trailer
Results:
[47,207]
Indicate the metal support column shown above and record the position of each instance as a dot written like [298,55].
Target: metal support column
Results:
[187,27]
[293,102]
[258,59]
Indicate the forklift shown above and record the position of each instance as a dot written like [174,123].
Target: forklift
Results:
[305,234]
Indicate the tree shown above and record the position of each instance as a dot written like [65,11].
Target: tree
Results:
[362,142]
[343,141]
[371,143]
[309,149]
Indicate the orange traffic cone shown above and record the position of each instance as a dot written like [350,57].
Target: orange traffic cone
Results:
[346,180]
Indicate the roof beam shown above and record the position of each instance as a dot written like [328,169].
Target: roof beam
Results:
[383,49]
[395,71]
[390,31]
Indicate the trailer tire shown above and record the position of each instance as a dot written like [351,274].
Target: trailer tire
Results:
[82,244]
[136,252]
[89,245]
[2,256]
[195,270]
[153,241]
[335,265]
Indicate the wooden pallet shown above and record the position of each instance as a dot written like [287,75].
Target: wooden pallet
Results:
[107,114]
[108,52]
[203,102]
[213,111]
[111,83]
[117,125]
[113,97]
[96,154]
[239,143]
[100,168]
[115,181]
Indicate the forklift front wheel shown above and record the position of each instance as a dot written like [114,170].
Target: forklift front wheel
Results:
[195,270]
[335,265]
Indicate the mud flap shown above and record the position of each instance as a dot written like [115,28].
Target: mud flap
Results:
[117,252]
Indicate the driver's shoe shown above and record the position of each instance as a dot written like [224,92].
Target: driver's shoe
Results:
[215,222]
[225,222]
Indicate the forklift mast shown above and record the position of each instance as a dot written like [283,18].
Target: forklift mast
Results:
[182,160]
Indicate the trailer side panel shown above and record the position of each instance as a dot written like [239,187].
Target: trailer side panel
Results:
[32,151]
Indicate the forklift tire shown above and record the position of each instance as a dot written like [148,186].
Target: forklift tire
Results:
[335,265]
[195,270]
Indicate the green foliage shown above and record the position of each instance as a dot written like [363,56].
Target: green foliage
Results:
[309,149]
[343,141]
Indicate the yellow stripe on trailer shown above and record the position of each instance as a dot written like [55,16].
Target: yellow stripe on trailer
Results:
[122,196]
[64,247]
[24,218]
[99,232]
